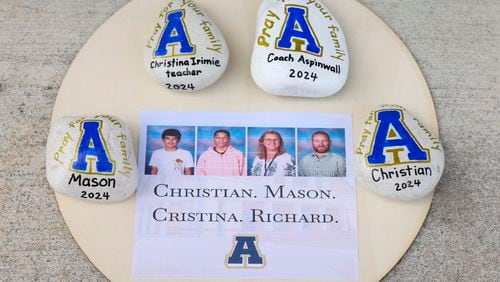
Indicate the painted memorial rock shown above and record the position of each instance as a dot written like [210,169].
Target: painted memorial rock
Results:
[91,158]
[299,50]
[397,156]
[185,50]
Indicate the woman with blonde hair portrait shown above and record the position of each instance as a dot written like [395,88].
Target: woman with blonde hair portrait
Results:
[271,157]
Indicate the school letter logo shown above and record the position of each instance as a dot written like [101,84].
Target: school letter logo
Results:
[245,253]
[297,32]
[394,143]
[175,35]
[92,147]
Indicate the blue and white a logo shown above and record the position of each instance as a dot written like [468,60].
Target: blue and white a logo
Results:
[393,142]
[92,150]
[245,253]
[174,40]
[297,33]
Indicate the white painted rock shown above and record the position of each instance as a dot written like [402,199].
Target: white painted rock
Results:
[185,50]
[397,156]
[299,50]
[91,158]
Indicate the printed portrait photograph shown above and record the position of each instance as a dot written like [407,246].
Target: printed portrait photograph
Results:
[271,151]
[321,152]
[220,151]
[170,150]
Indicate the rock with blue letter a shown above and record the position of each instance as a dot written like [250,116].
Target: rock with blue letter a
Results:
[398,157]
[185,50]
[299,50]
[91,158]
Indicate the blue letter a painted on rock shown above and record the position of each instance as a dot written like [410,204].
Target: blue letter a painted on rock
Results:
[297,33]
[92,148]
[245,253]
[394,139]
[175,37]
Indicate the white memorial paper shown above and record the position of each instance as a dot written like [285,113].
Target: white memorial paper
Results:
[234,222]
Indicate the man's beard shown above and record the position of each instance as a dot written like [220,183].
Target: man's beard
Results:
[321,150]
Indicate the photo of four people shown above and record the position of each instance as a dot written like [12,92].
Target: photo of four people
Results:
[221,151]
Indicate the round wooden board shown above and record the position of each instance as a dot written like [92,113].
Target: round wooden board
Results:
[108,77]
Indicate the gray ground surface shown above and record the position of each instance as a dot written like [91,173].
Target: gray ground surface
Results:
[455,42]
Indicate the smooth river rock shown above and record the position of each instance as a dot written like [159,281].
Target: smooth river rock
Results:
[299,49]
[185,50]
[398,157]
[91,158]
